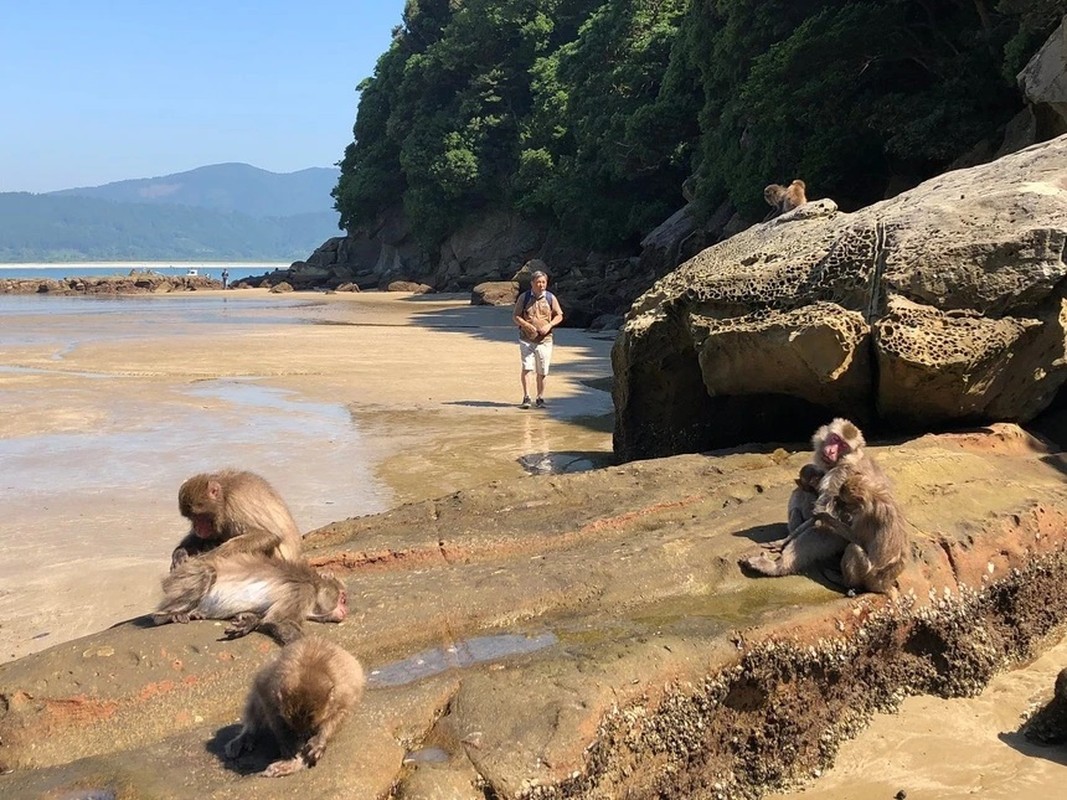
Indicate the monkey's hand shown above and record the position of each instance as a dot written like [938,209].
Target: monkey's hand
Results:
[242,625]
[178,557]
[279,769]
[314,749]
[824,505]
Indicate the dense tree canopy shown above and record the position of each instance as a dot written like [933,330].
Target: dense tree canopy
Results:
[590,113]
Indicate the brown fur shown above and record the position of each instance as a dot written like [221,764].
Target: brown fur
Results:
[300,698]
[784,198]
[864,528]
[255,591]
[235,512]
[875,530]
[802,500]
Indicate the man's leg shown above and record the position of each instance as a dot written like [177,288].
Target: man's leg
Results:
[543,356]
[525,391]
[526,357]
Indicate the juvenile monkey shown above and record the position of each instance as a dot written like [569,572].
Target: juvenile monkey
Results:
[839,451]
[300,698]
[233,511]
[802,500]
[801,503]
[255,592]
[867,516]
[784,198]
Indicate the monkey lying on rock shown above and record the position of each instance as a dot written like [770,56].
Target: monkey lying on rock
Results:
[300,698]
[255,592]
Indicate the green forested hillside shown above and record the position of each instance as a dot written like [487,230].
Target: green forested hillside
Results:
[591,113]
[49,228]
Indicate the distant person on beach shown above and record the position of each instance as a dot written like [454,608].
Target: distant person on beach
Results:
[536,313]
[225,278]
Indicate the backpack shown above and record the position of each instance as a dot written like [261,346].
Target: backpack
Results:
[529,298]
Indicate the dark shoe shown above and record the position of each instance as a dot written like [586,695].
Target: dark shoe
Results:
[540,402]
[525,403]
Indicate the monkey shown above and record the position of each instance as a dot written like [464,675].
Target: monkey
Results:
[802,500]
[877,540]
[233,511]
[801,503]
[839,451]
[784,198]
[300,698]
[254,592]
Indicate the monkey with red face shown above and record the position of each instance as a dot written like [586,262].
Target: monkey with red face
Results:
[864,527]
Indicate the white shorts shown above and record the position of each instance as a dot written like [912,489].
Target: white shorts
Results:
[536,356]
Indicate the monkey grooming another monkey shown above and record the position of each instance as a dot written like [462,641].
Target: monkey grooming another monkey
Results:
[866,514]
[839,450]
[300,698]
[784,198]
[255,592]
[233,511]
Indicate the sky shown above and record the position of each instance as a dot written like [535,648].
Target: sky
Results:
[95,91]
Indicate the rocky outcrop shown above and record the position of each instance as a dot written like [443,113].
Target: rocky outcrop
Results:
[946,305]
[579,636]
[1043,82]
[1049,724]
[495,293]
[134,283]
[409,286]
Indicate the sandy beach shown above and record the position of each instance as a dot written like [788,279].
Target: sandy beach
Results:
[348,403]
[351,404]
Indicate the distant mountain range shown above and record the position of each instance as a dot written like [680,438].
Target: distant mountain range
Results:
[218,212]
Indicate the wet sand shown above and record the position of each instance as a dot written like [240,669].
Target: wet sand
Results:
[348,403]
[351,404]
[935,749]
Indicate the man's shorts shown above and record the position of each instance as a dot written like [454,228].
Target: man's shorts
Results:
[536,356]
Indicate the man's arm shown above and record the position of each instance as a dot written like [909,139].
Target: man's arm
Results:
[557,314]
[524,324]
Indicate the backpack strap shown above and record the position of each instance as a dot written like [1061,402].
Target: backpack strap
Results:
[529,298]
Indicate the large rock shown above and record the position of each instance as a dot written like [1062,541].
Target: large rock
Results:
[582,636]
[943,306]
[488,248]
[1044,82]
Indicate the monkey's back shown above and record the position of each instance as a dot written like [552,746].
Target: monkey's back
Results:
[315,679]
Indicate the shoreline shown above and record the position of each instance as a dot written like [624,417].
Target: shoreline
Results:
[349,403]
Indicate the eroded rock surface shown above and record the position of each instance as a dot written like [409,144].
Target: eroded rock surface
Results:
[580,636]
[945,305]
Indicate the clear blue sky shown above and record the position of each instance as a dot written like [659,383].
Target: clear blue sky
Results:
[94,91]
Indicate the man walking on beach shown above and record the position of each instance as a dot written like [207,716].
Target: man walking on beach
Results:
[536,313]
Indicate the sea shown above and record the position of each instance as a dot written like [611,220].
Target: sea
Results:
[97,269]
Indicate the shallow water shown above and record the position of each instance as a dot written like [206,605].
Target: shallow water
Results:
[466,653]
